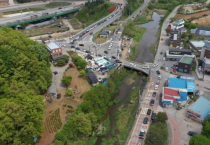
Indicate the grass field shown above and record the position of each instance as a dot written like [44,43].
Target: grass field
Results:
[75,23]
[57,4]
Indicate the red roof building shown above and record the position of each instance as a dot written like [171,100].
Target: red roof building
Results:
[170,96]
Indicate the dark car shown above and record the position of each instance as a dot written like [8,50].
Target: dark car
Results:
[113,57]
[99,55]
[50,36]
[205,15]
[106,52]
[81,44]
[152,102]
[118,61]
[154,94]
[141,134]
[191,133]
[158,72]
[72,46]
[161,53]
[145,120]
[55,72]
[87,51]
[91,33]
[149,111]
[77,48]
[59,8]
[197,93]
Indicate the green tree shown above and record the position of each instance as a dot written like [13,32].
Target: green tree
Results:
[157,134]
[61,62]
[199,140]
[69,92]
[66,58]
[206,128]
[162,117]
[190,36]
[82,72]
[24,74]
[66,80]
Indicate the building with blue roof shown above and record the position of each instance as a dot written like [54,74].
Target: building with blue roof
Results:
[200,110]
[181,83]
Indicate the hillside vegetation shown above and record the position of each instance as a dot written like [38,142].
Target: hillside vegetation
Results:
[94,11]
[24,75]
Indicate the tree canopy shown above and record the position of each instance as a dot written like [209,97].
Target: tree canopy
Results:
[199,140]
[24,74]
[162,117]
[66,80]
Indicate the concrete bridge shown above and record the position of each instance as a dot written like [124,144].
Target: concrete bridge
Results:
[136,66]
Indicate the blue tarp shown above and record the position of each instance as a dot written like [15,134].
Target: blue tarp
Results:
[35,139]
[167,102]
[104,83]
[183,96]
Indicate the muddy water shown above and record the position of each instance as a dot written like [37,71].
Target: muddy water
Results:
[148,39]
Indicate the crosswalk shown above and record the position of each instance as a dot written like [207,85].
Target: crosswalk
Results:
[144,111]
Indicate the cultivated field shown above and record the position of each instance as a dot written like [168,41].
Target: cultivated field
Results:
[182,16]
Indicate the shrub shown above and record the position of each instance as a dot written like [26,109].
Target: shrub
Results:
[70,106]
[69,92]
[66,58]
[151,7]
[61,62]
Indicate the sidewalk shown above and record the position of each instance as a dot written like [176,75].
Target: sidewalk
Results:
[174,130]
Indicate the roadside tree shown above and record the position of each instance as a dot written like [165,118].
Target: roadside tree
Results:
[199,140]
[162,117]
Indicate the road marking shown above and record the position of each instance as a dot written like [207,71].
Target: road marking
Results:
[144,110]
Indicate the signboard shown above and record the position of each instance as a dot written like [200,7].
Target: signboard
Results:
[196,114]
[94,38]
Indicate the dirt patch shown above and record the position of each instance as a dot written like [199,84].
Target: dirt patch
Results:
[78,84]
[124,50]
[182,16]
[129,81]
[160,11]
[202,21]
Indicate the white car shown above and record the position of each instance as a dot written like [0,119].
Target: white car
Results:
[159,77]
[99,79]
[156,87]
[166,68]
[109,47]
[155,65]
[131,64]
[104,56]
[145,67]
[159,59]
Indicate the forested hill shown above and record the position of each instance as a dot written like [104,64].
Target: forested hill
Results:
[24,75]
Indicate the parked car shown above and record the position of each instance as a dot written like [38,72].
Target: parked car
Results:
[155,65]
[152,102]
[55,72]
[145,67]
[91,33]
[99,79]
[159,77]
[77,48]
[87,51]
[166,83]
[158,72]
[149,111]
[161,53]
[99,55]
[81,44]
[166,68]
[145,120]
[154,94]
[118,61]
[191,133]
[197,93]
[159,59]
[106,52]
[72,46]
[158,82]
[113,57]
[141,134]
[156,87]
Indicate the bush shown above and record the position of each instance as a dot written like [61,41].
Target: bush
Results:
[69,92]
[66,58]
[151,7]
[61,62]
[66,80]
[70,106]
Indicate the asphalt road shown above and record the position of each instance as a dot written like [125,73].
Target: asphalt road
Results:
[23,17]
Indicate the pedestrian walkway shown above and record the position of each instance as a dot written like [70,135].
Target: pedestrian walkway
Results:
[175,131]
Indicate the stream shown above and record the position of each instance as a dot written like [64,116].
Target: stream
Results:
[144,55]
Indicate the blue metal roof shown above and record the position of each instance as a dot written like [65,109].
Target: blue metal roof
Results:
[182,84]
[183,96]
[201,106]
[177,83]
[193,30]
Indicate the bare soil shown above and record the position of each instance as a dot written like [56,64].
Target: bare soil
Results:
[202,21]
[124,50]
[82,86]
[182,16]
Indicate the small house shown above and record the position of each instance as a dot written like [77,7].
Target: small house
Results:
[103,34]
